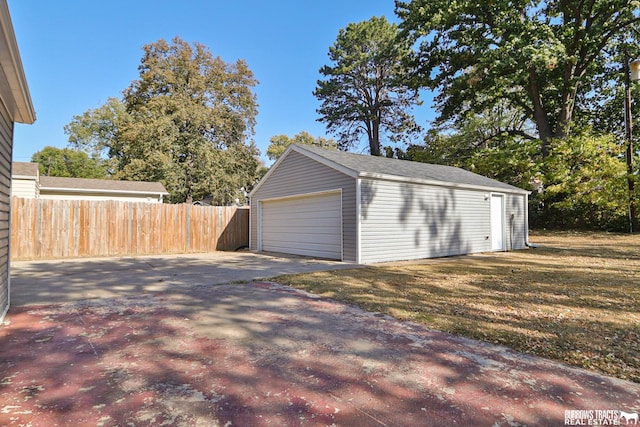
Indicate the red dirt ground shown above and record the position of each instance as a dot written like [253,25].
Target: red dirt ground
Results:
[265,355]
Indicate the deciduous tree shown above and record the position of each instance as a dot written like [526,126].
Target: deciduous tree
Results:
[542,57]
[66,162]
[187,122]
[584,184]
[96,132]
[279,143]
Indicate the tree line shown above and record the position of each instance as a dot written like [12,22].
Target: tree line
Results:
[527,92]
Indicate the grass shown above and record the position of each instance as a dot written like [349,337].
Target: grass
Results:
[575,298]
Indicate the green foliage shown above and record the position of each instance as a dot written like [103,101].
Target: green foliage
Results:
[65,162]
[279,143]
[494,144]
[584,185]
[555,68]
[191,114]
[186,122]
[364,90]
[96,132]
[542,58]
[581,183]
[512,160]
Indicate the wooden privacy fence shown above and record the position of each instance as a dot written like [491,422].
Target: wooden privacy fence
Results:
[84,228]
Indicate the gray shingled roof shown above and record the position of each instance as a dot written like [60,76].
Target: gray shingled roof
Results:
[102,185]
[371,165]
[24,169]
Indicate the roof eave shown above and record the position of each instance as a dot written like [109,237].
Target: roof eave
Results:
[102,191]
[386,177]
[15,93]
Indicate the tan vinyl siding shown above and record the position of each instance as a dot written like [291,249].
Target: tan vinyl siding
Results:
[6,138]
[24,188]
[297,174]
[403,221]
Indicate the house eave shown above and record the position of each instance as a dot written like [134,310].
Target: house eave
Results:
[15,92]
[100,191]
[396,178]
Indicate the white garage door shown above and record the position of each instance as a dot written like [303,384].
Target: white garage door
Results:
[309,225]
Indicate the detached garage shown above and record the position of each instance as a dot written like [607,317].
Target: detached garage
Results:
[365,209]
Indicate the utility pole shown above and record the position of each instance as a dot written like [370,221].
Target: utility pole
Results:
[631,73]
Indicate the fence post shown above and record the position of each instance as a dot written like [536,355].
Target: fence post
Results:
[188,231]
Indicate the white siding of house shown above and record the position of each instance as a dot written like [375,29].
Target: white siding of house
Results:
[404,221]
[24,187]
[297,174]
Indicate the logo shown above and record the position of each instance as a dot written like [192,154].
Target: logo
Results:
[600,417]
[629,416]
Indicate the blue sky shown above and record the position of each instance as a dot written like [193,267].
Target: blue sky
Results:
[78,53]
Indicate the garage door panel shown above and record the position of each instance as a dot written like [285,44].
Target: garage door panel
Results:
[310,247]
[309,240]
[307,212]
[310,225]
[284,225]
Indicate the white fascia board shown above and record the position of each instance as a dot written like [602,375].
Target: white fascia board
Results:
[385,177]
[102,191]
[11,64]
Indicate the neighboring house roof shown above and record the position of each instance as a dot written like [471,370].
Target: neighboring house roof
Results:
[75,185]
[24,169]
[49,183]
[14,91]
[365,166]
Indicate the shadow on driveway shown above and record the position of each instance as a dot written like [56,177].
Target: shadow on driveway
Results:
[173,350]
[44,282]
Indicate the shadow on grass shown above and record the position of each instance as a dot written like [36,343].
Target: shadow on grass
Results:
[577,303]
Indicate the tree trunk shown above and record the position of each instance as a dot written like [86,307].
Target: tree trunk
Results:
[633,214]
[539,113]
[568,102]
[374,138]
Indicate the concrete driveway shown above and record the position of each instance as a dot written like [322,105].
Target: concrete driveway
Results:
[177,351]
[44,282]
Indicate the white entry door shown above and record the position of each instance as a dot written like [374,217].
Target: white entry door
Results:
[306,225]
[497,222]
